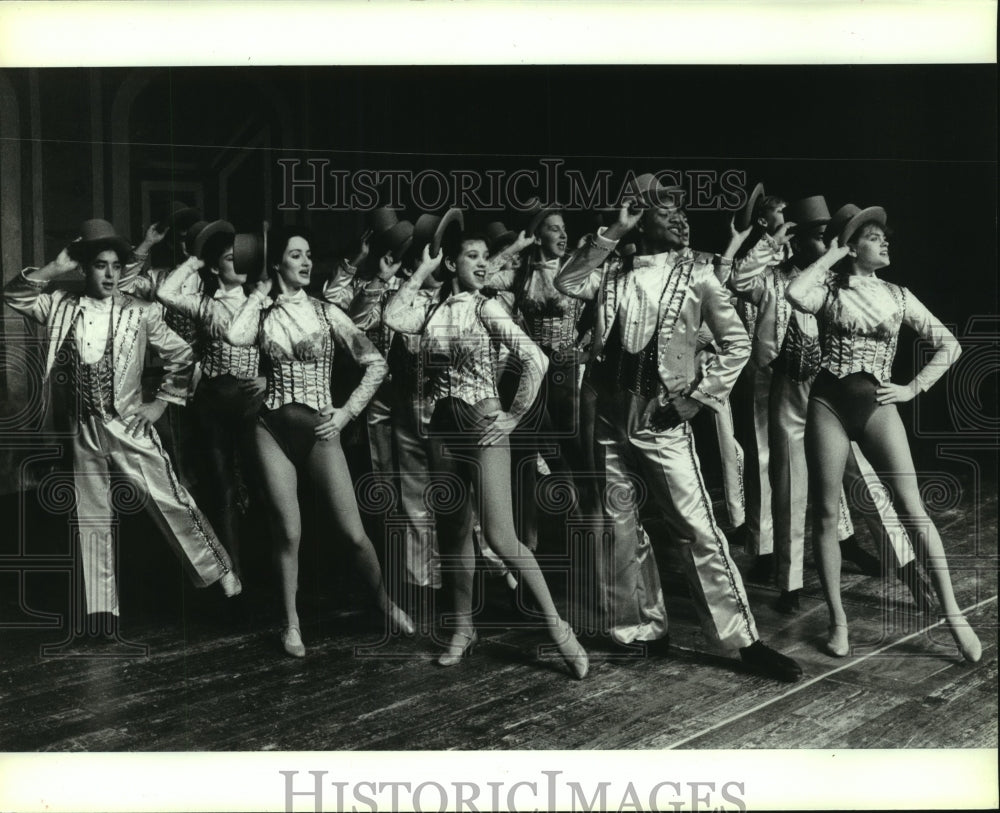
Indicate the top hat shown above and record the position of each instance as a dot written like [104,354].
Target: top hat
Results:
[848,218]
[180,218]
[498,237]
[395,240]
[95,236]
[746,213]
[382,219]
[650,191]
[249,256]
[806,212]
[208,232]
[537,212]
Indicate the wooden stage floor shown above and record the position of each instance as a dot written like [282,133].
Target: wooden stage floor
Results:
[215,678]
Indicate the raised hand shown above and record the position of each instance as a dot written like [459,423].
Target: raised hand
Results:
[835,252]
[363,249]
[387,267]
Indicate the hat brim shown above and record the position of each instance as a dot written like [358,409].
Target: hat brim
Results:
[874,214]
[212,229]
[541,214]
[805,225]
[452,218]
[80,250]
[502,241]
[744,215]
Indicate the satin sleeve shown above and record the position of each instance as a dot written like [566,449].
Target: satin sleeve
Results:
[28,296]
[403,312]
[731,342]
[365,310]
[931,329]
[747,280]
[244,328]
[808,291]
[178,358]
[534,363]
[581,276]
[365,354]
[339,289]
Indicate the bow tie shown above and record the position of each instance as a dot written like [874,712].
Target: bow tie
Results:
[291,299]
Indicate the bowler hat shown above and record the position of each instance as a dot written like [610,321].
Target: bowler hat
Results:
[179,218]
[192,234]
[430,230]
[95,236]
[249,255]
[209,231]
[649,190]
[806,212]
[537,212]
[746,213]
[498,236]
[382,219]
[848,218]
[395,240]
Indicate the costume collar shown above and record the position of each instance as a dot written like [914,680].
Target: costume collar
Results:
[292,299]
[235,293]
[666,259]
[91,304]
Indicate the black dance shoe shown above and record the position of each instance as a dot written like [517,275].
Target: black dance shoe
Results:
[788,602]
[762,571]
[766,662]
[862,559]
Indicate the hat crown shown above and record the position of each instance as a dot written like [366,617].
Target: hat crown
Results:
[248,255]
[808,210]
[96,229]
[494,230]
[848,217]
[652,191]
[393,238]
[383,219]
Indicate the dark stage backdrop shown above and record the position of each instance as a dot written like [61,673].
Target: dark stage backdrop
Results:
[919,140]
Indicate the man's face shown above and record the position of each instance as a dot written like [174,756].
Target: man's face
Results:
[808,246]
[551,237]
[665,228]
[101,275]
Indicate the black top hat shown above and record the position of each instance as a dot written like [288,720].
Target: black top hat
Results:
[537,212]
[746,213]
[208,232]
[249,256]
[806,212]
[847,218]
[179,218]
[498,236]
[96,236]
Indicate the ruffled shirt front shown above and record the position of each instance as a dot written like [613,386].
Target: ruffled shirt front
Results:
[296,335]
[859,324]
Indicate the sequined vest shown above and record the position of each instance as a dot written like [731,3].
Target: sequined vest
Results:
[92,384]
[622,371]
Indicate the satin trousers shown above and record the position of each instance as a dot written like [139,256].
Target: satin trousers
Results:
[112,470]
[639,464]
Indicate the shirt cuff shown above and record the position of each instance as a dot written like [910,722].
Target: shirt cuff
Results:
[37,283]
[603,242]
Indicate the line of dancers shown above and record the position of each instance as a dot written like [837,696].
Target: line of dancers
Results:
[493,364]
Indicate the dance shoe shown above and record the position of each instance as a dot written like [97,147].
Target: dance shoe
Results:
[461,645]
[965,637]
[862,559]
[573,654]
[763,569]
[836,642]
[764,661]
[788,602]
[231,584]
[291,640]
[399,620]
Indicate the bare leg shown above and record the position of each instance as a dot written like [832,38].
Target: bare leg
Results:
[886,446]
[331,478]
[827,446]
[280,484]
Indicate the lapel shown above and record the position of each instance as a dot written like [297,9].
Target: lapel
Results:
[125,320]
[63,318]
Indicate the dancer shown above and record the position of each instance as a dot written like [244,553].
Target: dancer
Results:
[469,440]
[853,399]
[231,390]
[298,433]
[99,339]
[649,311]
